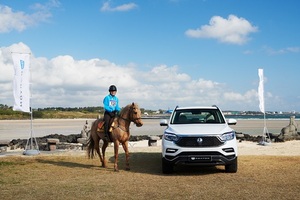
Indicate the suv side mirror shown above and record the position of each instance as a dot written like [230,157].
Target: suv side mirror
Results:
[163,122]
[231,122]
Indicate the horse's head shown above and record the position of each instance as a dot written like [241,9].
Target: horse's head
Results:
[135,115]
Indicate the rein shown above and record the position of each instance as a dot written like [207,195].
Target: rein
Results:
[132,118]
[128,120]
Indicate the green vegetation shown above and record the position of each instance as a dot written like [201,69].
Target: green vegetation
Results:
[6,112]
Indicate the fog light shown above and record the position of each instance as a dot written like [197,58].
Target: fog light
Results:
[168,150]
[228,150]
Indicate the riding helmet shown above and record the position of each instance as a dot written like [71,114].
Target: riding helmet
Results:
[112,88]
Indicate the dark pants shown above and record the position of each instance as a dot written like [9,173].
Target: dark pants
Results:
[108,119]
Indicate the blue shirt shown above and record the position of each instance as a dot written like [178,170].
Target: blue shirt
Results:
[111,103]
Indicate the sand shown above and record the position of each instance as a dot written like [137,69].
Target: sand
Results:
[289,148]
[245,148]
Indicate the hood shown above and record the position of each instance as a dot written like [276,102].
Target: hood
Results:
[188,129]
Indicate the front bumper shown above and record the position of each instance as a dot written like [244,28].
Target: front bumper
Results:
[223,154]
[200,158]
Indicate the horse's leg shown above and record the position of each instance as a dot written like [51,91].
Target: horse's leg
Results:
[125,147]
[97,148]
[116,151]
[104,146]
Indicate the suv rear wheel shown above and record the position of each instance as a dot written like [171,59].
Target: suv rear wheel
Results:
[167,168]
[231,168]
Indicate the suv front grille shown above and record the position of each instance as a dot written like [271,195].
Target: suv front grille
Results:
[199,141]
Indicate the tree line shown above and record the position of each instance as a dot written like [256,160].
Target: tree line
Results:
[6,112]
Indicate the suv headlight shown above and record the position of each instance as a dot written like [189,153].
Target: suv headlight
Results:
[171,137]
[228,136]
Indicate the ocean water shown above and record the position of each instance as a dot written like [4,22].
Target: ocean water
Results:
[268,116]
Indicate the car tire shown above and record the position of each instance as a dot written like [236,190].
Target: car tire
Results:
[167,167]
[232,168]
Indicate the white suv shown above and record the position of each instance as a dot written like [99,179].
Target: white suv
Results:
[198,136]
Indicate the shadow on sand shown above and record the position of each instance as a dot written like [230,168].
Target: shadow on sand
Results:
[65,163]
[150,163]
[140,162]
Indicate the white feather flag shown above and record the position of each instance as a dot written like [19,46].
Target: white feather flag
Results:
[21,82]
[261,90]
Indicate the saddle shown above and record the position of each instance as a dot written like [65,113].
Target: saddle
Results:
[100,126]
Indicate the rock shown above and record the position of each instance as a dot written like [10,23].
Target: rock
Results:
[290,132]
[52,143]
[85,130]
[3,145]
[152,141]
[82,141]
[240,136]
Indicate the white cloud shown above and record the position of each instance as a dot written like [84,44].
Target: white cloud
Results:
[124,7]
[164,73]
[247,97]
[18,20]
[286,50]
[65,82]
[233,30]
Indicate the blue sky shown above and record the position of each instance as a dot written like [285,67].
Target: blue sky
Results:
[159,53]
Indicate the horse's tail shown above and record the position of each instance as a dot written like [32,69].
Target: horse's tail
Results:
[91,143]
[90,148]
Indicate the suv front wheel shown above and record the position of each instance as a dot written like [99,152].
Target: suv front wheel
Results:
[231,168]
[167,167]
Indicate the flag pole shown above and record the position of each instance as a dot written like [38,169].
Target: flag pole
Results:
[34,147]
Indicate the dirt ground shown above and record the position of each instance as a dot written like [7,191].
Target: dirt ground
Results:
[264,172]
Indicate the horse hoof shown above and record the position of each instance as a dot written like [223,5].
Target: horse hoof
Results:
[116,170]
[127,168]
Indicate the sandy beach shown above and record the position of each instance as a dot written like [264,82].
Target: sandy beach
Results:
[21,129]
[245,148]
[289,148]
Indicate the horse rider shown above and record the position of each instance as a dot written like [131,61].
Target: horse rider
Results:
[111,107]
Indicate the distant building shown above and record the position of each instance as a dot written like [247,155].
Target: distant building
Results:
[168,111]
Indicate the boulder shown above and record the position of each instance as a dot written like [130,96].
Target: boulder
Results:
[152,141]
[290,132]
[52,143]
[3,145]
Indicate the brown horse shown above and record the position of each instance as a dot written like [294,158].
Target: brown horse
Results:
[120,134]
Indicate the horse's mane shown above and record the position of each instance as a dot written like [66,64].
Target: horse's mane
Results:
[126,108]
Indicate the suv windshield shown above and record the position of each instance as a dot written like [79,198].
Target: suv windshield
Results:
[197,116]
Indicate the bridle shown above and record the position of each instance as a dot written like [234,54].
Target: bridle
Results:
[131,117]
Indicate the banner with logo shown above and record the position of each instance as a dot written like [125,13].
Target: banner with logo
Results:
[261,90]
[21,82]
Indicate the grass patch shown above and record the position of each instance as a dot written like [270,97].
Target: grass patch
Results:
[76,177]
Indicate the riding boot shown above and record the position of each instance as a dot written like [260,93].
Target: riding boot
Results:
[109,129]
[106,131]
